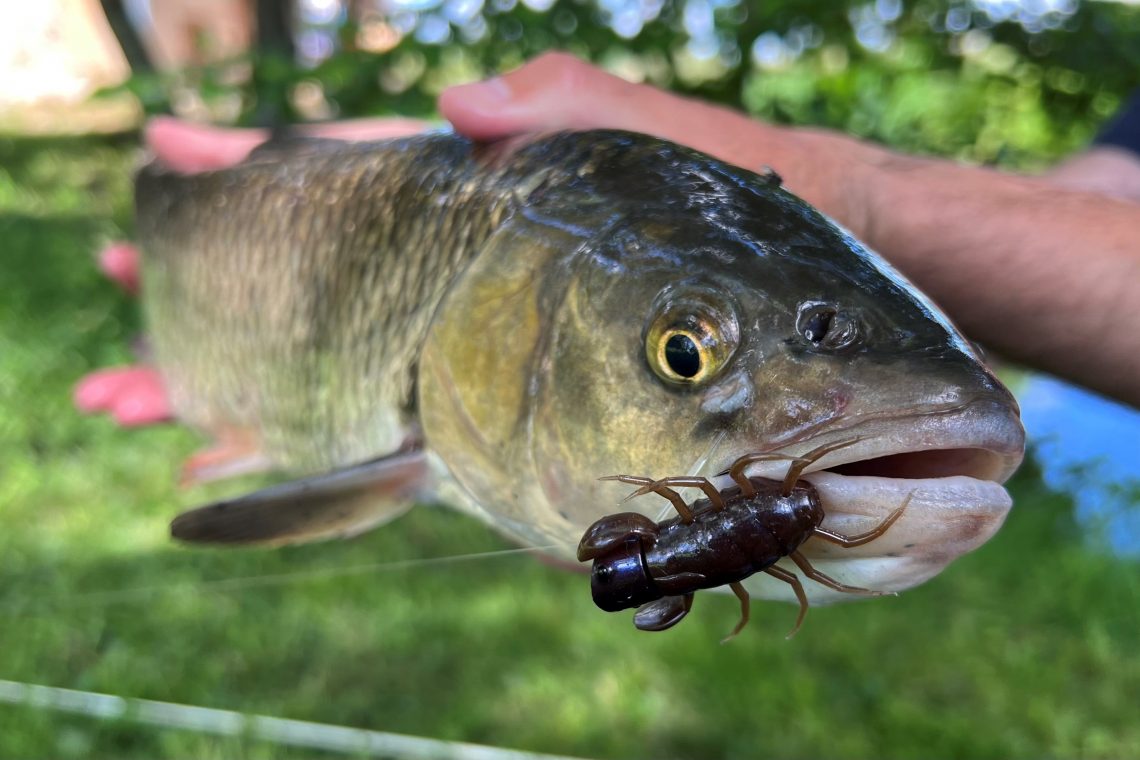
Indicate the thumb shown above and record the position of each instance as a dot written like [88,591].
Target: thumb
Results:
[554,91]
[188,147]
[558,91]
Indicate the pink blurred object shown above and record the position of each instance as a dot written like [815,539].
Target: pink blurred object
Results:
[134,396]
[120,262]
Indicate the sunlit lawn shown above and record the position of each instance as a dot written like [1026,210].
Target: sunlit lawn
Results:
[1027,648]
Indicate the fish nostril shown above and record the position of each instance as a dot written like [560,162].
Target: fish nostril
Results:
[817,325]
[827,328]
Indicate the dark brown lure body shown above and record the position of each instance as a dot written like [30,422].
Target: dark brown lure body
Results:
[716,541]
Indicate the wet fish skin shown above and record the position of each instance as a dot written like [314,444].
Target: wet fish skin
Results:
[493,305]
[291,299]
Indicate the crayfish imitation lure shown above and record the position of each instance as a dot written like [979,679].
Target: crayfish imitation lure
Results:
[722,539]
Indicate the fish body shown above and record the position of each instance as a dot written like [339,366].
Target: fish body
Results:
[529,316]
[291,295]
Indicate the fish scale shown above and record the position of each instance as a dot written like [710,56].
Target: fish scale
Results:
[291,310]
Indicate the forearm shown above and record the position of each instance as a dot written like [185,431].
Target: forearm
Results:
[1045,275]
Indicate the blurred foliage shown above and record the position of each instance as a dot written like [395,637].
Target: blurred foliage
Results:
[993,81]
[1025,648]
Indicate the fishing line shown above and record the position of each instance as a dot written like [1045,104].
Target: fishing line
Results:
[357,742]
[246,582]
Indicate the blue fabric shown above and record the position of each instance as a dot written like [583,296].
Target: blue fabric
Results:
[1123,131]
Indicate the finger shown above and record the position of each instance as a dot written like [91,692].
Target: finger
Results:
[120,262]
[558,91]
[553,91]
[143,402]
[133,395]
[96,391]
[188,147]
[105,389]
[368,129]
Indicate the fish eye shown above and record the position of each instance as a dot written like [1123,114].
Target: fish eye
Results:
[690,338]
[829,329]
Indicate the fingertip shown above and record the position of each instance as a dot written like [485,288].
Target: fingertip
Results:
[159,124]
[187,147]
[83,398]
[370,129]
[484,110]
[120,263]
[553,91]
[487,95]
[94,391]
[144,405]
[162,134]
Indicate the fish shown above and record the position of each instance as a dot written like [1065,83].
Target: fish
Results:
[500,326]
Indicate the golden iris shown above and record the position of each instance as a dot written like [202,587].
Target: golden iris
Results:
[689,341]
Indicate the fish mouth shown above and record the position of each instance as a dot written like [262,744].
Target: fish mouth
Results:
[983,441]
[947,467]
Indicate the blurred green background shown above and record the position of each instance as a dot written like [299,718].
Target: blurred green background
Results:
[1027,648]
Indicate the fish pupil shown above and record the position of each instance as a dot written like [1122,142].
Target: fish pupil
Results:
[683,356]
[817,326]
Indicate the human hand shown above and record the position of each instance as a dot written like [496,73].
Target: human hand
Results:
[558,91]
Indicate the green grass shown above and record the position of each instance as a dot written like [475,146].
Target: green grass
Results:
[1026,648]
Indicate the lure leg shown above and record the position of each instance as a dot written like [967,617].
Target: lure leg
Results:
[745,604]
[850,542]
[648,485]
[736,472]
[799,464]
[798,588]
[825,579]
[688,482]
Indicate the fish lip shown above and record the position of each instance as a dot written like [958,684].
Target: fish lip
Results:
[990,427]
[950,510]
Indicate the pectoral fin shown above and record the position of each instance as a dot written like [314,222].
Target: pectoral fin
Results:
[337,504]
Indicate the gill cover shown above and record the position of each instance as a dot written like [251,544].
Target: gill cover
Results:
[539,376]
[479,368]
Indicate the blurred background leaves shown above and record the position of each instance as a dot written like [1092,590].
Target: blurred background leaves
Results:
[1012,82]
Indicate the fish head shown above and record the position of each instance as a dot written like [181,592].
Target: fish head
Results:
[685,330]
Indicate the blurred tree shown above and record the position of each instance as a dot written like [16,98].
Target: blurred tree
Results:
[1011,82]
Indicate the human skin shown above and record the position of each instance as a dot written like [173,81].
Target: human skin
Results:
[1044,270]
[1104,169]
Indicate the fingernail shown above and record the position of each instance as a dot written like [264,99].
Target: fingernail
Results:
[490,93]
